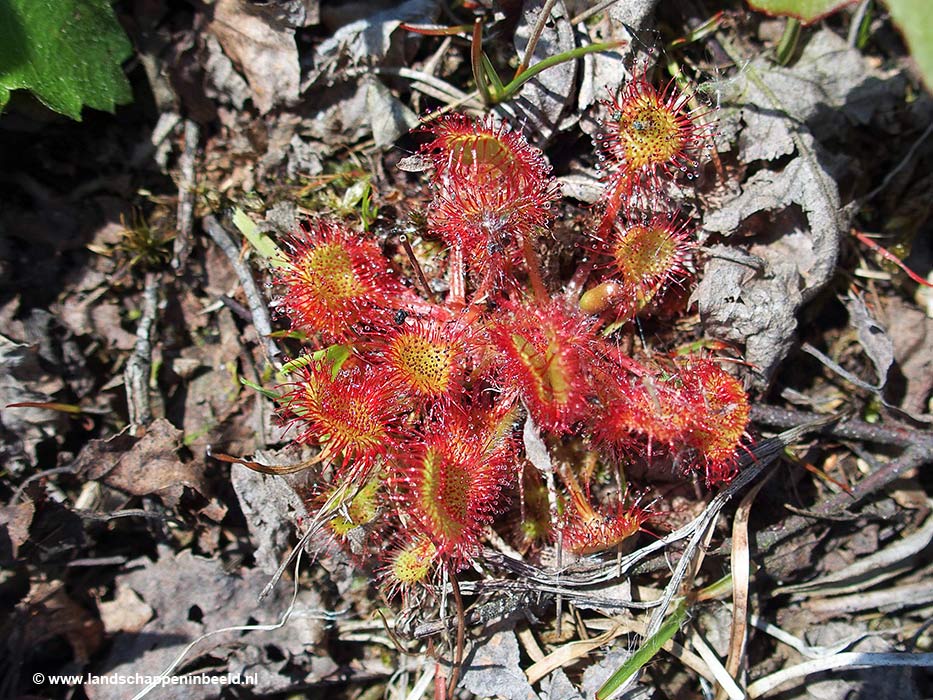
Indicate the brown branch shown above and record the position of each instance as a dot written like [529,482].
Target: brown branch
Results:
[139,366]
[186,190]
[461,631]
[258,306]
[844,428]
[918,449]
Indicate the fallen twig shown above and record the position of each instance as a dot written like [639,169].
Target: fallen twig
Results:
[765,685]
[906,596]
[185,222]
[138,367]
[870,570]
[842,427]
[258,306]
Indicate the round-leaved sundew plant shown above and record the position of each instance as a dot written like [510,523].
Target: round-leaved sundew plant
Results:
[348,413]
[544,354]
[408,564]
[413,405]
[585,528]
[452,480]
[425,360]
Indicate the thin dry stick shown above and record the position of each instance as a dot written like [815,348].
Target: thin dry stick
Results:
[741,566]
[720,676]
[439,88]
[461,633]
[596,9]
[847,660]
[186,185]
[568,653]
[258,306]
[844,428]
[536,33]
[139,366]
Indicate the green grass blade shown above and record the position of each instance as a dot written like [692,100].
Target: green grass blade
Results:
[647,652]
[261,243]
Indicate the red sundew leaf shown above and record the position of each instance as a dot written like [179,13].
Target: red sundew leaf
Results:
[649,133]
[408,564]
[543,349]
[350,414]
[483,151]
[637,408]
[452,480]
[646,255]
[720,413]
[696,410]
[492,190]
[487,223]
[595,529]
[644,258]
[426,359]
[336,280]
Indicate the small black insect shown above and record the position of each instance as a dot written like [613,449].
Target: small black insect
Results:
[400,317]
[498,244]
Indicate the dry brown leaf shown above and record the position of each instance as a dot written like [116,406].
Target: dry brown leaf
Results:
[263,48]
[22,378]
[191,596]
[144,466]
[570,652]
[52,613]
[14,528]
[127,612]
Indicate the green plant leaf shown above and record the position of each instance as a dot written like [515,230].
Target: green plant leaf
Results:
[67,52]
[645,653]
[912,18]
[261,242]
[255,387]
[334,355]
[806,11]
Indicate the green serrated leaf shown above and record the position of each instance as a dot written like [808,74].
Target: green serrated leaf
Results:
[67,52]
[262,243]
[912,17]
[807,11]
